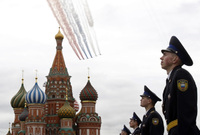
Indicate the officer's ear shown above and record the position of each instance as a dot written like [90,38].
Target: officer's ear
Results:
[149,100]
[175,59]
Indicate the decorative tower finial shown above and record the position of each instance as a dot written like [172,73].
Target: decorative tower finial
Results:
[88,73]
[59,35]
[22,76]
[36,75]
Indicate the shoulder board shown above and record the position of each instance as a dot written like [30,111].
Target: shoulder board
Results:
[152,111]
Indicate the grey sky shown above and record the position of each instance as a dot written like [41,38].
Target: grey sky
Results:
[130,35]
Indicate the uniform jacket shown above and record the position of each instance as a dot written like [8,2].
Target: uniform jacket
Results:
[152,123]
[180,102]
[136,131]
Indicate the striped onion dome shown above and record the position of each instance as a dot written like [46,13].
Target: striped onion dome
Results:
[24,114]
[66,111]
[36,95]
[88,92]
[18,99]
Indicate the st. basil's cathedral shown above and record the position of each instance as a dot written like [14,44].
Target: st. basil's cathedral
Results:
[55,111]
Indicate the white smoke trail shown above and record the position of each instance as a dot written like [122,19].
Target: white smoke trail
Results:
[84,23]
[68,27]
[91,23]
[88,13]
[67,9]
[78,23]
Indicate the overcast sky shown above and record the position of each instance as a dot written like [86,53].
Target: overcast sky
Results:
[130,35]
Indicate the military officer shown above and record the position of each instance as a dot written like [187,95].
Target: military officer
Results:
[134,123]
[125,131]
[152,123]
[180,93]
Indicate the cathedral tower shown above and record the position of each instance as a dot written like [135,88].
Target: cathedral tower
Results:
[35,122]
[67,114]
[88,121]
[58,81]
[17,103]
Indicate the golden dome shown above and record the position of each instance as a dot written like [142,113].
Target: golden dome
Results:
[59,35]
[66,111]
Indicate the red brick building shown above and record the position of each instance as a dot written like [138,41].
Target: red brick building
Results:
[53,112]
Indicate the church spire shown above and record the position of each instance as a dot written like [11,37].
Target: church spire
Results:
[58,66]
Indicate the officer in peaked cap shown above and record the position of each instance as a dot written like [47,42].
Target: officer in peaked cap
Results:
[180,93]
[134,123]
[150,94]
[177,48]
[152,123]
[125,131]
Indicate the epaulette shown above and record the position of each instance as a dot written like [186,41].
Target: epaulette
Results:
[152,111]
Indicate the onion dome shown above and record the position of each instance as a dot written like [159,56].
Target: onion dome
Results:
[24,114]
[88,92]
[19,99]
[59,35]
[76,106]
[36,95]
[66,111]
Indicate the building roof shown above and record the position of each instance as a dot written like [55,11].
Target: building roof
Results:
[35,95]
[88,92]
[18,99]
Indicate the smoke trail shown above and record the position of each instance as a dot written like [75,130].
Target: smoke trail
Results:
[86,22]
[88,13]
[91,22]
[78,23]
[67,10]
[68,28]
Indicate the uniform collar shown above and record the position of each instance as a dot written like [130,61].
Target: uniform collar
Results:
[169,75]
[172,71]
